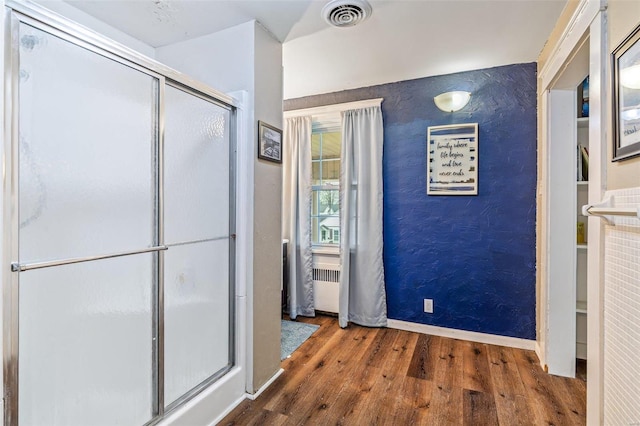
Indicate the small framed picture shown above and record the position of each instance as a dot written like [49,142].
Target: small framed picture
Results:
[626,97]
[269,143]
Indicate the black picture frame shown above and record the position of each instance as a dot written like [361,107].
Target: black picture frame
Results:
[269,142]
[625,60]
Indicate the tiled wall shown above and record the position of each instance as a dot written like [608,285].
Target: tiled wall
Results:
[622,315]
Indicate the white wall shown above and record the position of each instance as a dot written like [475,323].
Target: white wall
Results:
[223,60]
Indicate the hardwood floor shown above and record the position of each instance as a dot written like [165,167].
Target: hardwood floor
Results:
[369,376]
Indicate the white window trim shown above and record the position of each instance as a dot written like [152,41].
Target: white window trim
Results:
[331,250]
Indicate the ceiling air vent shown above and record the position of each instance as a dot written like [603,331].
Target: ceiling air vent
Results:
[346,13]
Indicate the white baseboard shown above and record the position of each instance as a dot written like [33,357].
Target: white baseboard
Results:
[266,385]
[472,336]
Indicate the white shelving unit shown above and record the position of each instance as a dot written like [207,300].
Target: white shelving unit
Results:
[581,249]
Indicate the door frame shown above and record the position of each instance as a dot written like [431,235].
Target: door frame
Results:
[589,20]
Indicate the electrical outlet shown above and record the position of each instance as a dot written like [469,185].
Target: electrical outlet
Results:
[428,306]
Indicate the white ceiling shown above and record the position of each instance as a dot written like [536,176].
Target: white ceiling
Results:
[162,22]
[403,39]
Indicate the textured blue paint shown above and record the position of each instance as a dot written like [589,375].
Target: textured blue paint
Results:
[473,255]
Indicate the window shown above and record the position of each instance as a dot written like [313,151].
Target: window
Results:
[325,207]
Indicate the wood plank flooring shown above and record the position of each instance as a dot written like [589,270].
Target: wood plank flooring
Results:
[370,376]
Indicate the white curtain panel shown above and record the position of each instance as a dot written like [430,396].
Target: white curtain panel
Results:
[297,214]
[362,294]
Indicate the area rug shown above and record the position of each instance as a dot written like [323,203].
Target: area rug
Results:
[293,335]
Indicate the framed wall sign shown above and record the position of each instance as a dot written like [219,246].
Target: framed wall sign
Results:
[626,97]
[269,142]
[452,159]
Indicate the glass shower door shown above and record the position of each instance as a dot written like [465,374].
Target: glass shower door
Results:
[197,295]
[111,163]
[87,188]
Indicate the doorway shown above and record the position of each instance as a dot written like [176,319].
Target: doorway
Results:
[580,51]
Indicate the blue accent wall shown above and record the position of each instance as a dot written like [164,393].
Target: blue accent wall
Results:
[473,255]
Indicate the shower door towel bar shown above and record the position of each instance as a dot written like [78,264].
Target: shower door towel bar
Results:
[605,208]
[21,267]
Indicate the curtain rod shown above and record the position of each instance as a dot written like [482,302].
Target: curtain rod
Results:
[333,109]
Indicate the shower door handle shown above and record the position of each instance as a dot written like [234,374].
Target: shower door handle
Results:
[21,267]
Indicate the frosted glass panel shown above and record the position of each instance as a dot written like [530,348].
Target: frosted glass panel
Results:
[196,314]
[87,129]
[196,191]
[196,168]
[85,343]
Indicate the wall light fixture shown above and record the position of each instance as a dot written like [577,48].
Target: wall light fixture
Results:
[452,101]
